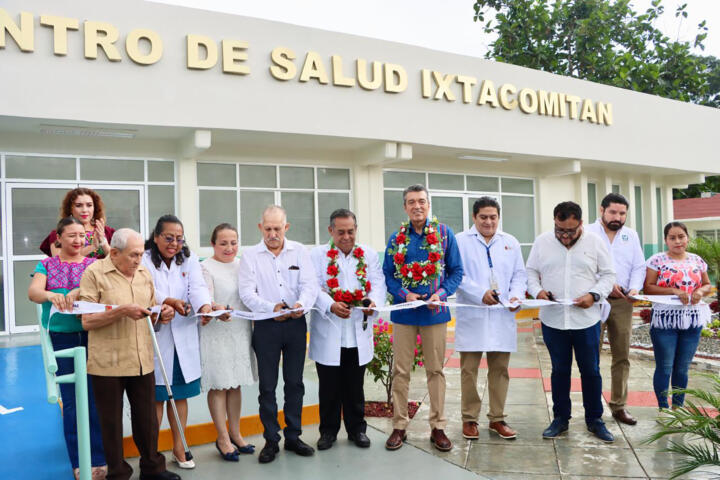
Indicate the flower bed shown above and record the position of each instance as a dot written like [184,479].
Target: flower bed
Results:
[384,409]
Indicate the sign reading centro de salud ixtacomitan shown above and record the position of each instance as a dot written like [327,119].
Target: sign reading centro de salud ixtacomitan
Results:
[145,47]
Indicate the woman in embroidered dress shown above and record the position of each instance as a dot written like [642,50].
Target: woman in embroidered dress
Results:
[675,329]
[86,206]
[226,354]
[55,283]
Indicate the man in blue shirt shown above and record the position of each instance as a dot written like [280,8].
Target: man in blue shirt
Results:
[422,262]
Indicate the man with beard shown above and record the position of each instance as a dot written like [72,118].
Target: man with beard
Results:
[629,262]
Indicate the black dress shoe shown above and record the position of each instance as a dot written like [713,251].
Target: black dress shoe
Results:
[267,454]
[360,439]
[326,441]
[166,475]
[299,447]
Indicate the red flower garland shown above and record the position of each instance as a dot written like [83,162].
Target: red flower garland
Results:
[351,297]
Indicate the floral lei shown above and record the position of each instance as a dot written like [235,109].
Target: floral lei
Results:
[418,273]
[351,297]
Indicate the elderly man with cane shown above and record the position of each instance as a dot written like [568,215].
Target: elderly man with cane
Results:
[120,354]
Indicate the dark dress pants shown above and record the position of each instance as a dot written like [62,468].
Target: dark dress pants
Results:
[271,340]
[561,344]
[341,390]
[140,391]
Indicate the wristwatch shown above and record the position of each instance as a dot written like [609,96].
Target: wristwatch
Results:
[596,297]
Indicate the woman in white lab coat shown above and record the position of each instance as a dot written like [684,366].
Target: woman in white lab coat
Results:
[179,283]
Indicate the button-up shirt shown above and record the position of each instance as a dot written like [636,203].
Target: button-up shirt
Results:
[627,255]
[264,280]
[569,273]
[123,348]
[488,329]
[445,285]
[348,280]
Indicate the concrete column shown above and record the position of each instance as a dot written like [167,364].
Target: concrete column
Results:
[188,201]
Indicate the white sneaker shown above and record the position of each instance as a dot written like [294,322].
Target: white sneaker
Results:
[188,464]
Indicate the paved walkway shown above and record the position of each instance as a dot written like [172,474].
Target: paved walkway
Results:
[576,455]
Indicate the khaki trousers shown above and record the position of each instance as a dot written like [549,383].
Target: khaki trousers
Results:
[619,329]
[433,339]
[498,380]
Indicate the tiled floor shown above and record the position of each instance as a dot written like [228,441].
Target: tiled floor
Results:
[575,455]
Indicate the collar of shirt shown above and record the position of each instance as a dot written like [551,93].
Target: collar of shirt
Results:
[411,228]
[109,266]
[287,246]
[481,238]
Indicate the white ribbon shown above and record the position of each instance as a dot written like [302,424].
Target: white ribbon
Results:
[662,299]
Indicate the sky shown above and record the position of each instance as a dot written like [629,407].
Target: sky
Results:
[440,25]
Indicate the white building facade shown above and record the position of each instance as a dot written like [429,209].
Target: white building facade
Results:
[166,109]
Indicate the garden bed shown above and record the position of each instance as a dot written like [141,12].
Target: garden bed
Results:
[384,409]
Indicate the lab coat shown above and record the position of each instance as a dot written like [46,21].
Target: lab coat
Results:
[326,329]
[488,330]
[184,282]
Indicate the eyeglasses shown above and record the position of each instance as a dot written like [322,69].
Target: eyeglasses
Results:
[566,232]
[170,239]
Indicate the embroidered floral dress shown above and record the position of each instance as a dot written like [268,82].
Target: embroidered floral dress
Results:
[685,275]
[62,277]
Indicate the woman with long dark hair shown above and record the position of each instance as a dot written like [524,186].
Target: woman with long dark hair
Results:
[179,283]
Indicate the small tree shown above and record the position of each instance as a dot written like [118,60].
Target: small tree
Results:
[696,420]
[710,252]
[381,366]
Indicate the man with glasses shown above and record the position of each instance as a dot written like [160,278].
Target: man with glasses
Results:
[573,268]
[629,262]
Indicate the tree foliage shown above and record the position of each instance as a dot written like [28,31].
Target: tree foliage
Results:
[712,184]
[603,41]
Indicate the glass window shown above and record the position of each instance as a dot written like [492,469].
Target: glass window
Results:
[448,210]
[333,178]
[525,251]
[296,177]
[440,181]
[25,310]
[3,325]
[112,170]
[300,207]
[517,185]
[483,184]
[709,235]
[592,202]
[402,179]
[160,171]
[257,176]
[161,201]
[394,211]
[122,208]
[216,206]
[518,217]
[252,205]
[616,189]
[57,168]
[216,174]
[638,213]
[328,203]
[34,215]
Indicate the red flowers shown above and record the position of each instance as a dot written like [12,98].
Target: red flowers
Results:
[399,258]
[332,270]
[347,297]
[333,253]
[433,257]
[333,283]
[430,269]
[404,270]
[358,252]
[351,297]
[358,295]
[417,272]
[431,239]
[400,238]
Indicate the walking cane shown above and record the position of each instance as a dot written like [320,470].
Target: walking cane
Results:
[188,455]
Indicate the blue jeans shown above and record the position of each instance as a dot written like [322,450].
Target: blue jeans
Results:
[560,345]
[61,341]
[674,350]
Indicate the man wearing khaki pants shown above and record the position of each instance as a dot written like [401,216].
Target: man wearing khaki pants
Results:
[494,272]
[629,262]
[422,262]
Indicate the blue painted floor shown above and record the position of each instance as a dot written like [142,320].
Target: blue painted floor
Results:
[32,444]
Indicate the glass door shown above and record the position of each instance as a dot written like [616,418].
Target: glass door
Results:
[32,212]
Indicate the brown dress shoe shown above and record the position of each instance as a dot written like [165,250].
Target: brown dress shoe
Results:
[624,416]
[397,437]
[502,429]
[470,430]
[440,440]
